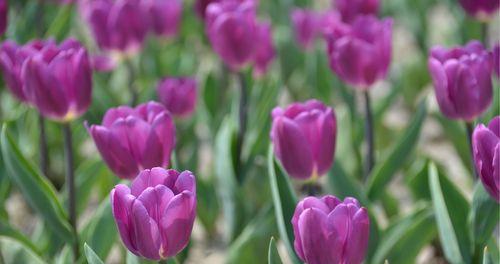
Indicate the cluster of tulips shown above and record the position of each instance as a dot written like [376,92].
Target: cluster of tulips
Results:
[156,212]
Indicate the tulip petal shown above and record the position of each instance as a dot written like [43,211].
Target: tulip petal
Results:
[311,224]
[121,203]
[148,178]
[147,235]
[357,243]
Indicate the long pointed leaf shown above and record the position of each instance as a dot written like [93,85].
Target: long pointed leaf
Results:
[273,257]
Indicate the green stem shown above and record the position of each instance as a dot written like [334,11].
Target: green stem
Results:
[131,78]
[243,116]
[484,33]
[470,130]
[70,184]
[369,136]
[44,150]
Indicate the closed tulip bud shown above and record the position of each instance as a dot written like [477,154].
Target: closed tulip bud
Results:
[155,215]
[360,53]
[304,136]
[350,9]
[496,60]
[462,80]
[486,152]
[3,15]
[482,10]
[58,80]
[178,95]
[265,51]
[117,25]
[306,26]
[329,231]
[231,28]
[165,16]
[12,57]
[134,139]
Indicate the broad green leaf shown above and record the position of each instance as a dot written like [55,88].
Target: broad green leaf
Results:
[37,191]
[92,257]
[284,200]
[60,22]
[456,133]
[447,233]
[100,233]
[404,239]
[486,256]
[273,257]
[7,231]
[208,206]
[13,251]
[484,216]
[343,186]
[384,171]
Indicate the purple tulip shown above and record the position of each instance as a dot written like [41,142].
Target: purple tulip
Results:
[462,80]
[304,136]
[306,25]
[496,59]
[178,95]
[328,230]
[12,57]
[265,51]
[134,139]
[165,16]
[231,27]
[155,215]
[351,9]
[482,10]
[117,25]
[58,80]
[486,152]
[360,53]
[200,7]
[3,15]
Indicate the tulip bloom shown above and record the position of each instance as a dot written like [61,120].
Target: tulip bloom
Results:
[58,80]
[178,95]
[328,230]
[304,136]
[350,9]
[360,53]
[12,57]
[155,215]
[486,152]
[133,139]
[3,15]
[166,16]
[305,25]
[232,28]
[462,80]
[482,10]
[265,51]
[117,25]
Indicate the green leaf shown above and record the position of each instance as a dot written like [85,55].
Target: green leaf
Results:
[100,233]
[61,21]
[344,186]
[284,200]
[447,233]
[92,257]
[405,238]
[208,207]
[484,216]
[132,259]
[37,191]
[486,256]
[383,172]
[273,257]
[456,133]
[14,252]
[7,231]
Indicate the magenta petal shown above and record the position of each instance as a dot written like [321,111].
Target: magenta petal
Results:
[185,182]
[148,178]
[357,243]
[146,232]
[311,224]
[121,203]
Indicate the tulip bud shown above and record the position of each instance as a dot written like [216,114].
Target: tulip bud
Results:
[178,95]
[117,26]
[12,58]
[58,80]
[486,152]
[350,9]
[360,53]
[462,80]
[231,29]
[305,25]
[482,10]
[165,16]
[155,215]
[304,136]
[265,51]
[133,139]
[327,230]
[3,15]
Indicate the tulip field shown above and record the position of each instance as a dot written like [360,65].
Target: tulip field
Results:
[250,131]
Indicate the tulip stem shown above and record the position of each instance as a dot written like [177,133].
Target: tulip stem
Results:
[484,33]
[70,184]
[44,151]
[131,78]
[369,137]
[470,129]
[243,115]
